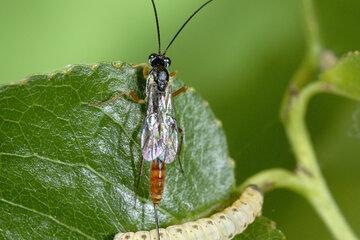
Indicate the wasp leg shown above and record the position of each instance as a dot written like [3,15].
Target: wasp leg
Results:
[140,174]
[136,98]
[142,65]
[145,69]
[179,91]
[180,148]
[173,74]
[137,183]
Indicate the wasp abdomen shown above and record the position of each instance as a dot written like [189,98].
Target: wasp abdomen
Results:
[157,180]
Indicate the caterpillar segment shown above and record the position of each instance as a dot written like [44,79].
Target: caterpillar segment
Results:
[195,230]
[237,217]
[164,235]
[224,225]
[178,232]
[141,235]
[209,226]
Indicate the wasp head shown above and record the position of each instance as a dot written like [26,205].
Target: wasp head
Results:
[159,64]
[156,60]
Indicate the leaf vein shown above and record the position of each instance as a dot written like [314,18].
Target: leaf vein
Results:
[90,169]
[73,229]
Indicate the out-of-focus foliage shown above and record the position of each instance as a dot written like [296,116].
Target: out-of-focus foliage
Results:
[238,54]
[261,229]
[345,76]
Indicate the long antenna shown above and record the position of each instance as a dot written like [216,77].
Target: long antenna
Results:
[188,20]
[157,26]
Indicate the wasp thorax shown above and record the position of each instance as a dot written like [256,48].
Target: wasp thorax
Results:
[161,76]
[159,60]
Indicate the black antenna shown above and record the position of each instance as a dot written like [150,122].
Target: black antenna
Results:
[157,25]
[182,27]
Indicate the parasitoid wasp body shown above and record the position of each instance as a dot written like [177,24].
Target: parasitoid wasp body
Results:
[161,138]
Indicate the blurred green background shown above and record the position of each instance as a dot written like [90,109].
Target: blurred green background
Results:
[238,54]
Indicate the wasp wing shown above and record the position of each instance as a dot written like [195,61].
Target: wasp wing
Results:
[169,129]
[151,141]
[151,137]
[159,137]
[171,140]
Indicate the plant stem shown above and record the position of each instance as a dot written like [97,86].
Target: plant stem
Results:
[314,45]
[308,170]
[322,201]
[297,132]
[311,62]
[300,90]
[268,180]
[307,180]
[313,189]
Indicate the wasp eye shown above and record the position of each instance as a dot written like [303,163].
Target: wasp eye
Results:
[152,56]
[167,61]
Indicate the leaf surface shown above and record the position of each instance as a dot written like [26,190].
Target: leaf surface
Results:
[262,229]
[70,156]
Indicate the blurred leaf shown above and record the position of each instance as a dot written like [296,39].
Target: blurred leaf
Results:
[69,157]
[262,229]
[345,76]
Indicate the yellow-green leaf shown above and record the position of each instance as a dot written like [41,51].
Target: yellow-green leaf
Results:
[344,77]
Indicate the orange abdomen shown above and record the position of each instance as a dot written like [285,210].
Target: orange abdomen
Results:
[157,180]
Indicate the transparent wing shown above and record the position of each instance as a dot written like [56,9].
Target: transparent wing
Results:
[160,135]
[151,141]
[151,137]
[171,140]
[169,129]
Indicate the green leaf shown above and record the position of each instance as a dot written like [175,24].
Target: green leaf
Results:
[344,77]
[70,155]
[261,229]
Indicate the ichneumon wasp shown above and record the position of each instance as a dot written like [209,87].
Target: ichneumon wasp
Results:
[161,138]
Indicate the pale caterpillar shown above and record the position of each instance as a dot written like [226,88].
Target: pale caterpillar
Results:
[220,226]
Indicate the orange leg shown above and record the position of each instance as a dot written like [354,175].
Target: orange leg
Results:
[179,91]
[173,74]
[136,98]
[146,71]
